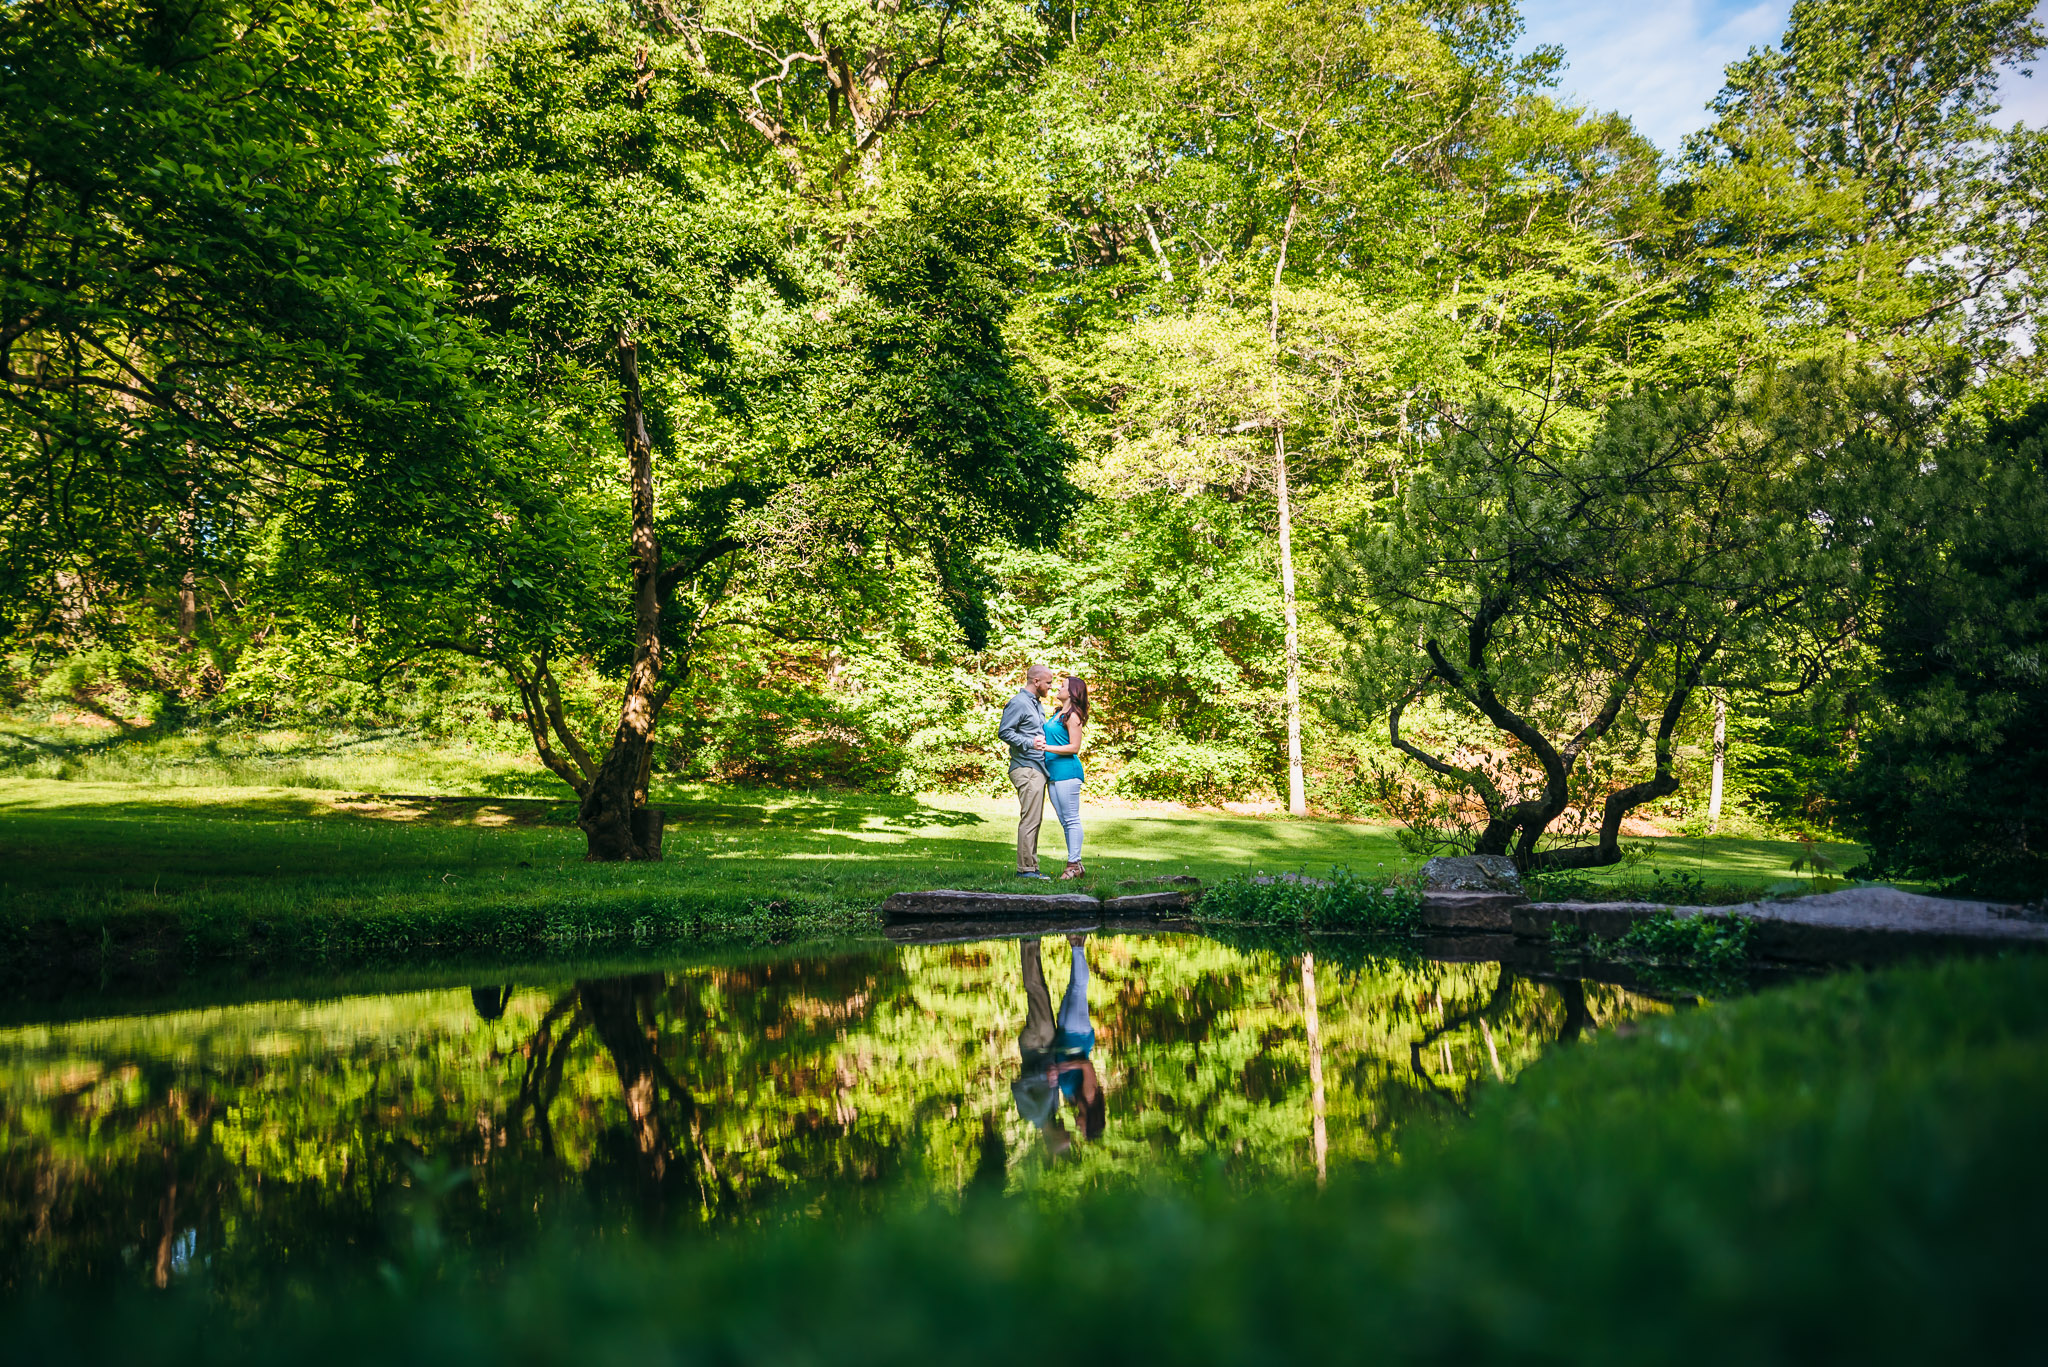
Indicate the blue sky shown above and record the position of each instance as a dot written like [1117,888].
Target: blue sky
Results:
[1660,61]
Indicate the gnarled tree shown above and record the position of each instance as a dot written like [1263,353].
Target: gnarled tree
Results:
[1574,589]
[715,395]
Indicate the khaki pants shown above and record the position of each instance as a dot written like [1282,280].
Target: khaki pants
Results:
[1030,785]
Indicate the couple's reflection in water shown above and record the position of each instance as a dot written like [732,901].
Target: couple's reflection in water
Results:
[1055,1053]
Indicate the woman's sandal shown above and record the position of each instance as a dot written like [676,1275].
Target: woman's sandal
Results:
[1073,871]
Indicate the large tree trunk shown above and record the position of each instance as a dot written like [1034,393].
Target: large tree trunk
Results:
[1662,783]
[1297,789]
[613,805]
[1513,829]
[188,583]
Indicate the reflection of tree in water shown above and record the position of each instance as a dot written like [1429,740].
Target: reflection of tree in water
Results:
[137,1216]
[1553,1010]
[662,1142]
[691,1140]
[275,1143]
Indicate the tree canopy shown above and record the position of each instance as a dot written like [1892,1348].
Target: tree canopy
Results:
[1351,408]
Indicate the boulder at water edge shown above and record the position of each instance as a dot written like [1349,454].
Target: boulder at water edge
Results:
[1471,873]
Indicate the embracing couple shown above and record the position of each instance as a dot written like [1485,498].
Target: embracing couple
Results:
[1045,758]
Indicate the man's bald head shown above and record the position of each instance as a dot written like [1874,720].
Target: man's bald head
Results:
[1038,679]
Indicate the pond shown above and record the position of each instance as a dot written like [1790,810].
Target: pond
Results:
[306,1136]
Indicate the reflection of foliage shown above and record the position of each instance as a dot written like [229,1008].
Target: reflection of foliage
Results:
[295,1136]
[1850,1162]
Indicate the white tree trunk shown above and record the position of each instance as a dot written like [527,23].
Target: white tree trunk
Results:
[1297,795]
[1720,760]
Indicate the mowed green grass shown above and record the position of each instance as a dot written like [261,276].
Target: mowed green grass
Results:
[67,846]
[164,855]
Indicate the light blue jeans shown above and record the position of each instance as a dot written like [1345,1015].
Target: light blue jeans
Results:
[1066,800]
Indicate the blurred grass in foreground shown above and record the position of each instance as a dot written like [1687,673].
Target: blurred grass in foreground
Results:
[1843,1170]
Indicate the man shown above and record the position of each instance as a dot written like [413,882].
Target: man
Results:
[1023,730]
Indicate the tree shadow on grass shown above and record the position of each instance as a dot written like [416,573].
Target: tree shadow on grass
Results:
[812,813]
[1738,859]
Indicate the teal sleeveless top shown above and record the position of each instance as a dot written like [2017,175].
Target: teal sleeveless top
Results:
[1058,767]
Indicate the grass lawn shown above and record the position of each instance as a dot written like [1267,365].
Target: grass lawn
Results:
[167,855]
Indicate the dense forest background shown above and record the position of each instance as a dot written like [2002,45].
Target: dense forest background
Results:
[800,371]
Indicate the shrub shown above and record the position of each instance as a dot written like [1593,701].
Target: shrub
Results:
[1176,770]
[1341,901]
[792,738]
[1711,942]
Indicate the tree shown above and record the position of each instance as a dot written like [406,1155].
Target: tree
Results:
[213,307]
[1949,783]
[1853,185]
[1258,151]
[809,415]
[826,86]
[1573,591]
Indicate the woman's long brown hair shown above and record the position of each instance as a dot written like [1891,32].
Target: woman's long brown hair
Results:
[1077,698]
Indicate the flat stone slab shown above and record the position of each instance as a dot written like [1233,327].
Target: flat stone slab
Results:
[989,905]
[1147,904]
[1859,924]
[960,905]
[946,931]
[1472,912]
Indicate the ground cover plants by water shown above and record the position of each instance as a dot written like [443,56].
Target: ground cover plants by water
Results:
[1842,1170]
[1338,900]
[1717,944]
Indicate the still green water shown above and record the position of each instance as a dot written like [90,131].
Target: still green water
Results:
[299,1136]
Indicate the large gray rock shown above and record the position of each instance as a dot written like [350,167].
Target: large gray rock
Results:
[1469,912]
[1471,873]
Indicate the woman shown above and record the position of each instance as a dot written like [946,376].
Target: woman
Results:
[1064,733]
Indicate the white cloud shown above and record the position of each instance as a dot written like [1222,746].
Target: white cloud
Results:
[2025,97]
[1658,63]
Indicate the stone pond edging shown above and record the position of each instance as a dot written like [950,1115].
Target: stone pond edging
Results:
[956,904]
[1855,924]
[1867,924]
